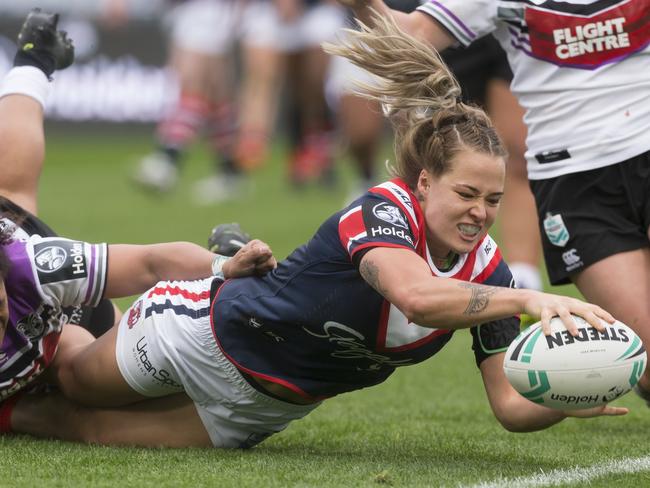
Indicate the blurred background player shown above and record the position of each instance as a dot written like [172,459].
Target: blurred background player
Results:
[201,37]
[284,57]
[484,74]
[41,49]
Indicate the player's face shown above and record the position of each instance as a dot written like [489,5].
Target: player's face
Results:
[461,205]
[4,309]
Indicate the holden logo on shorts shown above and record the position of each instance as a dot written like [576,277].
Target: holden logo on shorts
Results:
[389,213]
[50,259]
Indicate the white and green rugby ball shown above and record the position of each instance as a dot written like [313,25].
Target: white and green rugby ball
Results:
[565,372]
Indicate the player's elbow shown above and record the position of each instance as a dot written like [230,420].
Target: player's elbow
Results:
[515,415]
[418,307]
[513,424]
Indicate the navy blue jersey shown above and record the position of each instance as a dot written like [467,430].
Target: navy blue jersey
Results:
[315,326]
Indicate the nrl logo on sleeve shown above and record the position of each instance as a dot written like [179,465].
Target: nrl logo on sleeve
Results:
[389,213]
[50,259]
[62,261]
[555,229]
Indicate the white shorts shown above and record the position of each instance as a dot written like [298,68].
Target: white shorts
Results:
[342,79]
[206,26]
[165,345]
[262,26]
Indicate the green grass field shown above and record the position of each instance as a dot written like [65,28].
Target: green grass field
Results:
[429,425]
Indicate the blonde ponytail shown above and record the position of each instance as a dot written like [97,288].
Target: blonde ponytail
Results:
[420,96]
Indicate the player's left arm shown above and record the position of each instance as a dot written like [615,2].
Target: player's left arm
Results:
[517,414]
[133,269]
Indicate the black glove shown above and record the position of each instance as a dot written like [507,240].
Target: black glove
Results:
[41,45]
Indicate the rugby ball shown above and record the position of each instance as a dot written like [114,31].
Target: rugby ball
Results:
[569,373]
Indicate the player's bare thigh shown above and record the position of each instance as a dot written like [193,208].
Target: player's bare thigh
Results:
[170,421]
[22,150]
[621,284]
[89,374]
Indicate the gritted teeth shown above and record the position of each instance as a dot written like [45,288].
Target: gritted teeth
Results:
[469,229]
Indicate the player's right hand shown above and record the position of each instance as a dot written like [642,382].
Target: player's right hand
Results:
[547,305]
[254,258]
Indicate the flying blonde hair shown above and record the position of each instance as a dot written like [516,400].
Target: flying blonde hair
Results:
[420,96]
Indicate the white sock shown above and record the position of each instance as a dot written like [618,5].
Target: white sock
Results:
[526,276]
[26,80]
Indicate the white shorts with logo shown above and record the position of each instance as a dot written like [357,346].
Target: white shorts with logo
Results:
[165,345]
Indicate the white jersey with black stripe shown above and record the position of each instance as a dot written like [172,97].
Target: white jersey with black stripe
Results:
[580,70]
[45,275]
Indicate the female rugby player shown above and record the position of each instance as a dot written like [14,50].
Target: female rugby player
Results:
[383,283]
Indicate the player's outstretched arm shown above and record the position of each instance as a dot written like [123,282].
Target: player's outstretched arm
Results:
[517,414]
[133,269]
[405,280]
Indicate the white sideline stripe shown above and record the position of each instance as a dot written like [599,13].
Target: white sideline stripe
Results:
[562,476]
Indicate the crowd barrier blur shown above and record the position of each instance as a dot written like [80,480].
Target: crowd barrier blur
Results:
[119,73]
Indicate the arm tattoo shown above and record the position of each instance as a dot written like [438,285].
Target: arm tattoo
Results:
[480,297]
[370,272]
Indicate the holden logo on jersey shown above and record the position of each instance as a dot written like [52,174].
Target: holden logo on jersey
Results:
[556,231]
[51,258]
[134,314]
[391,231]
[389,213]
[31,326]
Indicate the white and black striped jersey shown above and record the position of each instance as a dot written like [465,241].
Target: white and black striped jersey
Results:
[580,71]
[45,275]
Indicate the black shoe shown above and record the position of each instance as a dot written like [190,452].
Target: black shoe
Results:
[40,44]
[227,239]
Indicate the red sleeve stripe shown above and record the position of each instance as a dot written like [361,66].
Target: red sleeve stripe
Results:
[351,227]
[350,212]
